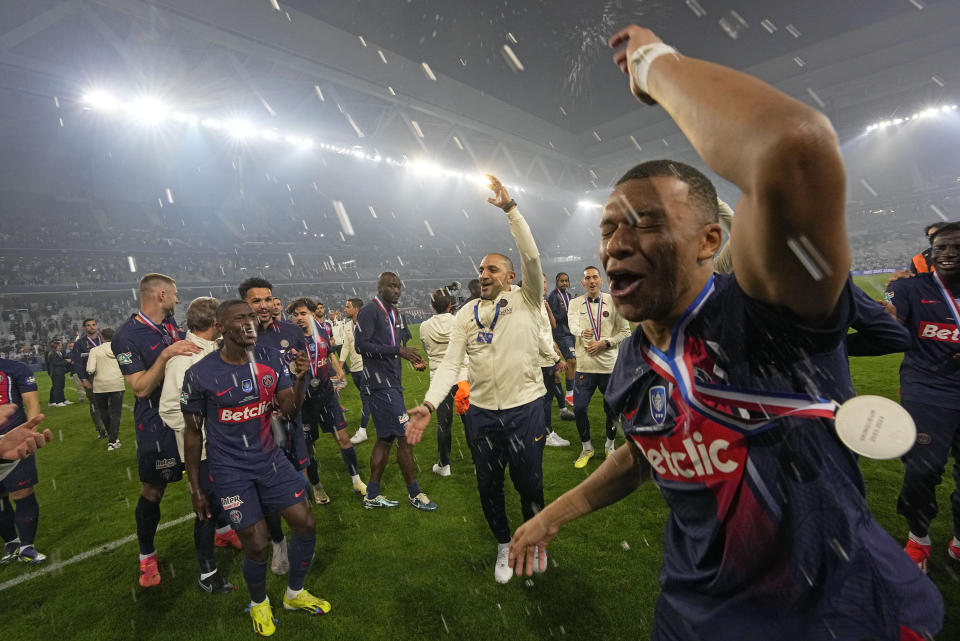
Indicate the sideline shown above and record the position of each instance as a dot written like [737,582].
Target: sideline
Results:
[100,549]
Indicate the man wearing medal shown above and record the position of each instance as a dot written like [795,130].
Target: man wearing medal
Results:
[81,351]
[559,302]
[928,306]
[321,406]
[504,426]
[143,345]
[599,329]
[727,385]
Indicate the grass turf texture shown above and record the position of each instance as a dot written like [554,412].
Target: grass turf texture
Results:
[399,574]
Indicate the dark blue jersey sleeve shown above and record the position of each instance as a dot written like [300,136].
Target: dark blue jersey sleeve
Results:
[366,335]
[877,332]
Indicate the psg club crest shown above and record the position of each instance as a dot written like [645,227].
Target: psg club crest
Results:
[658,403]
[246,385]
[267,380]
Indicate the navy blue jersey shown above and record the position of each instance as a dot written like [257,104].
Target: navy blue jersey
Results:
[877,332]
[929,373]
[283,337]
[137,347]
[318,351]
[80,353]
[16,379]
[769,535]
[559,303]
[378,341]
[236,402]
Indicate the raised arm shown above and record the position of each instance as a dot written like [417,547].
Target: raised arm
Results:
[784,157]
[529,254]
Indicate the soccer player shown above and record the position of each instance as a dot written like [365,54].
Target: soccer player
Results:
[599,329]
[378,341]
[229,396]
[769,535]
[435,338]
[505,420]
[18,521]
[277,312]
[81,351]
[143,345]
[20,442]
[353,359]
[929,306]
[922,263]
[288,340]
[559,301]
[321,407]
[202,332]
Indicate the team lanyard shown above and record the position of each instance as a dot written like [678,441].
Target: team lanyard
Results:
[167,330]
[596,322]
[496,315]
[391,317]
[97,344]
[951,301]
[564,300]
[753,411]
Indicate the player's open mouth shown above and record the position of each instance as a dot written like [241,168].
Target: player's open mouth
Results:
[623,283]
[949,264]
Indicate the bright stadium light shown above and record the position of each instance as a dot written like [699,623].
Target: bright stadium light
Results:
[212,123]
[270,134]
[239,129]
[147,110]
[185,118]
[588,204]
[925,114]
[102,100]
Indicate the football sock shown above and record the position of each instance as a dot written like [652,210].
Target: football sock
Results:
[224,529]
[8,528]
[312,472]
[373,489]
[611,443]
[587,446]
[300,553]
[275,526]
[922,540]
[413,489]
[147,514]
[349,456]
[255,574]
[27,513]
[203,532]
[569,390]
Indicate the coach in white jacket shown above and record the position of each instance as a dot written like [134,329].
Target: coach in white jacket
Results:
[108,386]
[500,334]
[598,329]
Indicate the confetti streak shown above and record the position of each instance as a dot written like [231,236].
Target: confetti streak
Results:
[511,59]
[355,126]
[392,92]
[275,5]
[918,4]
[344,219]
[319,92]
[937,211]
[768,25]
[371,210]
[800,61]
[793,31]
[811,259]
[416,128]
[635,143]
[868,187]
[429,228]
[169,195]
[457,142]
[597,136]
[510,37]
[698,10]
[937,80]
[383,58]
[816,98]
[362,41]
[428,71]
[133,264]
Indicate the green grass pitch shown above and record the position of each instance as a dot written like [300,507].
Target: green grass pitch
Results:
[390,574]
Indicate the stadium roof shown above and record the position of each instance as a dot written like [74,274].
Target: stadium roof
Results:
[353,73]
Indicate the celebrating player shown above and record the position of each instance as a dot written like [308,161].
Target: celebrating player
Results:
[769,535]
[559,301]
[229,395]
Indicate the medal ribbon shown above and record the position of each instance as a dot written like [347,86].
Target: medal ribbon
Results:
[565,300]
[754,411]
[95,344]
[315,357]
[391,319]
[596,322]
[950,300]
[164,329]
[496,315]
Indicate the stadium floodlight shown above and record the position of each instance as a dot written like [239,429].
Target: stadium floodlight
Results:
[147,110]
[293,140]
[588,204]
[270,134]
[102,100]
[925,114]
[307,143]
[212,123]
[239,129]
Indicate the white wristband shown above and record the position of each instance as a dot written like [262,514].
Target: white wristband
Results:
[642,58]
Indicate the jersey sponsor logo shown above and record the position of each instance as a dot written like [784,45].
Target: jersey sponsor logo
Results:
[689,456]
[403,418]
[125,358]
[267,380]
[658,403]
[231,502]
[30,380]
[243,413]
[165,463]
[944,332]
[246,385]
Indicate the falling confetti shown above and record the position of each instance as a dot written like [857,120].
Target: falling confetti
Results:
[132,262]
[868,187]
[696,8]
[371,210]
[416,128]
[811,259]
[937,80]
[793,31]
[512,59]
[383,58]
[429,228]
[341,211]
[169,195]
[635,143]
[510,37]
[767,24]
[937,211]
[816,98]
[918,4]
[428,71]
[275,5]
[800,61]
[319,92]
[597,136]
[362,41]
[733,24]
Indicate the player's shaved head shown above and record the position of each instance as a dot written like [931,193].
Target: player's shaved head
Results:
[151,282]
[504,261]
[389,287]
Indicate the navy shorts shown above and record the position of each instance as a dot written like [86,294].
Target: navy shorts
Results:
[158,457]
[567,345]
[245,494]
[323,411]
[24,475]
[388,412]
[296,447]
